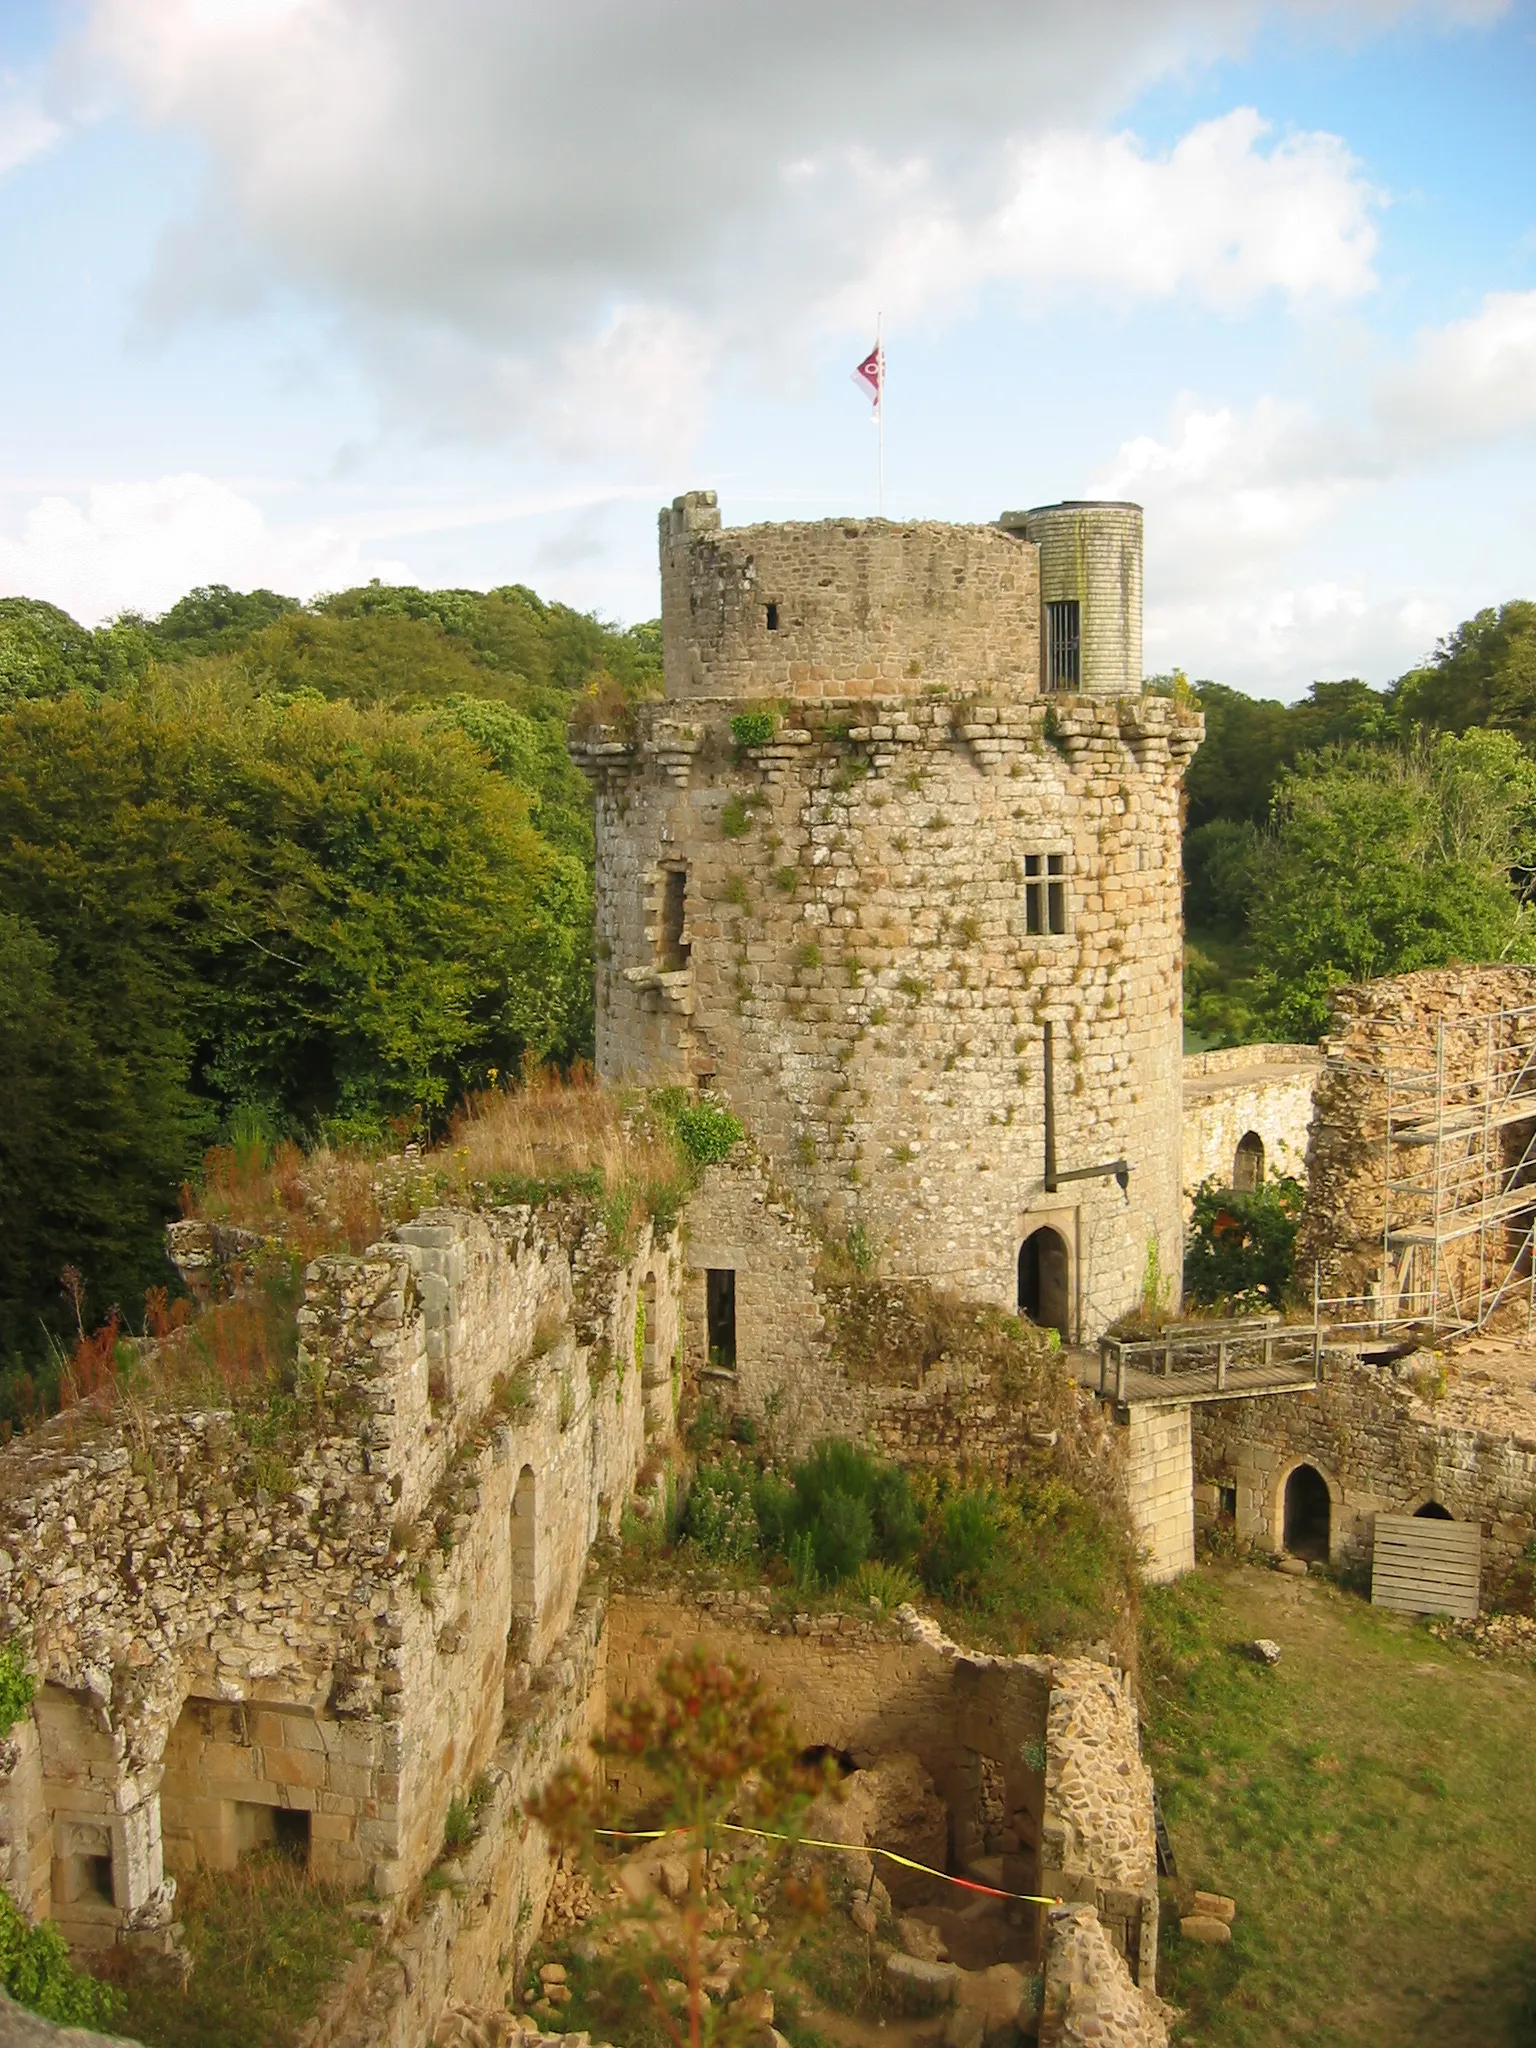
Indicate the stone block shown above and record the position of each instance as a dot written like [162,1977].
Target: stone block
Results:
[921,1987]
[1205,1927]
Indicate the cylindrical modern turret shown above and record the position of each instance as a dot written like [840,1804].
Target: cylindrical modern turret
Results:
[1090,591]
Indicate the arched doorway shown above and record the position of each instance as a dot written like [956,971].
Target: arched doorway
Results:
[1248,1163]
[1308,1514]
[525,1598]
[1045,1294]
[1433,1512]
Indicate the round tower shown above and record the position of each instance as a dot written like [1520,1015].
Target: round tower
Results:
[913,912]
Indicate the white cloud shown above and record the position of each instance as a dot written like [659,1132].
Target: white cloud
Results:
[531,193]
[1219,219]
[142,545]
[1472,380]
[26,130]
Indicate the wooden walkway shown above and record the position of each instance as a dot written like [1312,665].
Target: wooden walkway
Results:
[1205,1361]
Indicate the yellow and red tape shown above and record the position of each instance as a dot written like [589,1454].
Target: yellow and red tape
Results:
[968,1884]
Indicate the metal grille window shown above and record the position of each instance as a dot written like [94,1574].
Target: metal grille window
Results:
[1045,895]
[1064,644]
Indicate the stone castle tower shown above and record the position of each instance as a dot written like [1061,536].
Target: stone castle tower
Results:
[893,867]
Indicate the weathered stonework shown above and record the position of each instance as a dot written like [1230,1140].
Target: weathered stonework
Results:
[1090,2000]
[853,930]
[325,1664]
[1379,1447]
[1159,1486]
[1261,1092]
[1062,1732]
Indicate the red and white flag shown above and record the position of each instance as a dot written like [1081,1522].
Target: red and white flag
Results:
[870,375]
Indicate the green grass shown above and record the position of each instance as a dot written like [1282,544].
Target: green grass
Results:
[265,1941]
[1369,1802]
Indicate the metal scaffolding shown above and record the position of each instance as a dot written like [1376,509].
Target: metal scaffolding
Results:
[1458,1152]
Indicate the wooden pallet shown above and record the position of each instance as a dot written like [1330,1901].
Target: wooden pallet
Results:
[1420,1566]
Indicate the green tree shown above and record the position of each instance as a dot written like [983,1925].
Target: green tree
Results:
[1483,674]
[1241,1248]
[1382,861]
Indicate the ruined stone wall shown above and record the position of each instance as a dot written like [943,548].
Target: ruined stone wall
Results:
[230,1654]
[856,971]
[1090,2000]
[1380,1448]
[1396,1024]
[1062,1730]
[1264,1089]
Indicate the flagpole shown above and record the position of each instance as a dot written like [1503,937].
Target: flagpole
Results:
[880,415]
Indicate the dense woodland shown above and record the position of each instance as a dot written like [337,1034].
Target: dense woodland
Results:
[271,870]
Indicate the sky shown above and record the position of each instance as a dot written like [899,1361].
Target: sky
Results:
[299,292]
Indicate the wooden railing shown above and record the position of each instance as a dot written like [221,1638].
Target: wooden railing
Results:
[1253,1348]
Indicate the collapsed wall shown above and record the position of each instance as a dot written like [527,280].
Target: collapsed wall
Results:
[320,1657]
[1036,1759]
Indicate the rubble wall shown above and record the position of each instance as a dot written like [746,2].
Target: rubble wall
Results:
[337,1639]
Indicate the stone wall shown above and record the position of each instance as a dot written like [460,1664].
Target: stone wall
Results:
[1062,1732]
[843,933]
[327,1662]
[1090,2000]
[1263,1090]
[1380,1447]
[858,608]
[1159,1481]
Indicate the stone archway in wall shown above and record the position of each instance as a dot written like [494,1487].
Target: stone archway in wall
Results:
[1248,1164]
[1306,1507]
[1045,1280]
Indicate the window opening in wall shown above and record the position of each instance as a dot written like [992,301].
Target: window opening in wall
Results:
[1044,1274]
[1064,644]
[1248,1163]
[97,1872]
[1433,1512]
[674,905]
[1308,1512]
[524,1547]
[290,1833]
[773,618]
[1045,894]
[1226,1503]
[720,1312]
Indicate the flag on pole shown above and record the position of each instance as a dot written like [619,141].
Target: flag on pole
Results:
[870,375]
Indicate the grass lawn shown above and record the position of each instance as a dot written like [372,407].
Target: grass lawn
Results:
[1370,1802]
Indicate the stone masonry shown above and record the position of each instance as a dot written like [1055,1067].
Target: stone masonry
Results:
[862,928]
[1261,1092]
[326,1663]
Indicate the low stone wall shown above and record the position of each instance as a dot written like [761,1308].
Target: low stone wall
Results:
[1061,1732]
[1266,1090]
[1089,1999]
[1380,1448]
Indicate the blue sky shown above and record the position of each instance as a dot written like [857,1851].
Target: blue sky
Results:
[302,291]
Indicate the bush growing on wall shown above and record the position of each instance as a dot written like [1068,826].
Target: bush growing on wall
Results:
[720,1517]
[1240,1253]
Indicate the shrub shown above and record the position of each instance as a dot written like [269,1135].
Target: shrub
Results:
[735,818]
[957,1555]
[753,728]
[721,1519]
[17,1686]
[36,1971]
[843,1507]
[707,1133]
[1241,1248]
[887,1583]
